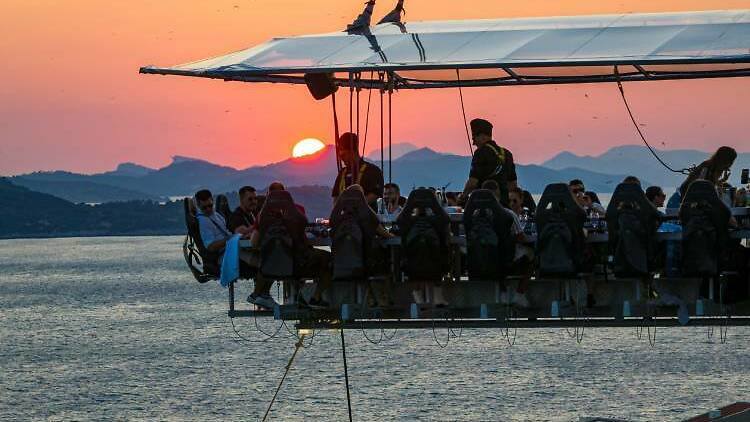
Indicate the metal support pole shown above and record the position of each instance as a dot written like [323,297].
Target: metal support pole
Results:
[231,299]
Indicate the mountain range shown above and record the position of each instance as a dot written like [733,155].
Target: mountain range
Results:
[637,160]
[413,167]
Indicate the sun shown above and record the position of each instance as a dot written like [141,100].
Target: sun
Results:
[307,146]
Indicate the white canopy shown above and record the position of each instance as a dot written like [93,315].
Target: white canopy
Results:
[489,52]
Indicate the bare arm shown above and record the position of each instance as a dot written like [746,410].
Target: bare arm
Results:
[255,238]
[470,185]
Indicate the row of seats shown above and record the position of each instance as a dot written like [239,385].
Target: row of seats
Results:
[426,251]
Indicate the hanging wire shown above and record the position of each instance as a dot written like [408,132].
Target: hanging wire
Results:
[390,135]
[685,171]
[374,315]
[434,336]
[346,376]
[351,102]
[297,346]
[367,117]
[241,338]
[382,124]
[336,131]
[651,340]
[358,89]
[463,111]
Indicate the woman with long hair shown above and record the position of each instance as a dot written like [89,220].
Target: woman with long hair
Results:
[715,169]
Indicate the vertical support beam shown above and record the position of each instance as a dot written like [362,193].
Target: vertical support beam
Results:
[231,299]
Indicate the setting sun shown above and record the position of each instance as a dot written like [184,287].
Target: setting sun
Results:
[307,147]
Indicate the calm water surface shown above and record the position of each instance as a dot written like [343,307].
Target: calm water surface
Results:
[116,328]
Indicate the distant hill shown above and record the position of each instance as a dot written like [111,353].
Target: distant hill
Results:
[417,167]
[637,160]
[397,150]
[33,214]
[78,191]
[130,169]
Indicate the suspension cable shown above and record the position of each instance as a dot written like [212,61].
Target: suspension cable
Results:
[336,130]
[390,135]
[367,117]
[685,171]
[297,346]
[382,124]
[346,376]
[463,111]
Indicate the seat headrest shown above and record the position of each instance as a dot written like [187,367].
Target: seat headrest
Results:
[279,197]
[701,193]
[631,193]
[222,205]
[422,197]
[555,195]
[481,197]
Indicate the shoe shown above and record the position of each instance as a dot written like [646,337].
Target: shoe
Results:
[520,300]
[318,304]
[265,301]
[252,298]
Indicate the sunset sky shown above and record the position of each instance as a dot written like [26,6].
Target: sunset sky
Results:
[71,97]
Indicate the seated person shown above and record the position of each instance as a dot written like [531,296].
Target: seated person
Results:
[215,235]
[243,218]
[528,202]
[451,199]
[741,198]
[577,188]
[212,225]
[315,263]
[523,261]
[524,253]
[388,206]
[592,205]
[242,221]
[656,195]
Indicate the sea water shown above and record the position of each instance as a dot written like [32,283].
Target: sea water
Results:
[117,329]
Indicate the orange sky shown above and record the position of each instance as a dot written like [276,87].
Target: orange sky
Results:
[71,97]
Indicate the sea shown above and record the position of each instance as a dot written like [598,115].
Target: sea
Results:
[116,328]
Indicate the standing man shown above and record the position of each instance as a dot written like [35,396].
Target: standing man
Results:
[490,162]
[356,171]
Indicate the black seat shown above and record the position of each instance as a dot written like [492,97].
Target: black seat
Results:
[425,237]
[560,238]
[353,229]
[222,206]
[705,238]
[633,221]
[203,264]
[490,246]
[282,236]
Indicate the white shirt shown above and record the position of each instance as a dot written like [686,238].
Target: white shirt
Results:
[212,228]
[386,216]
